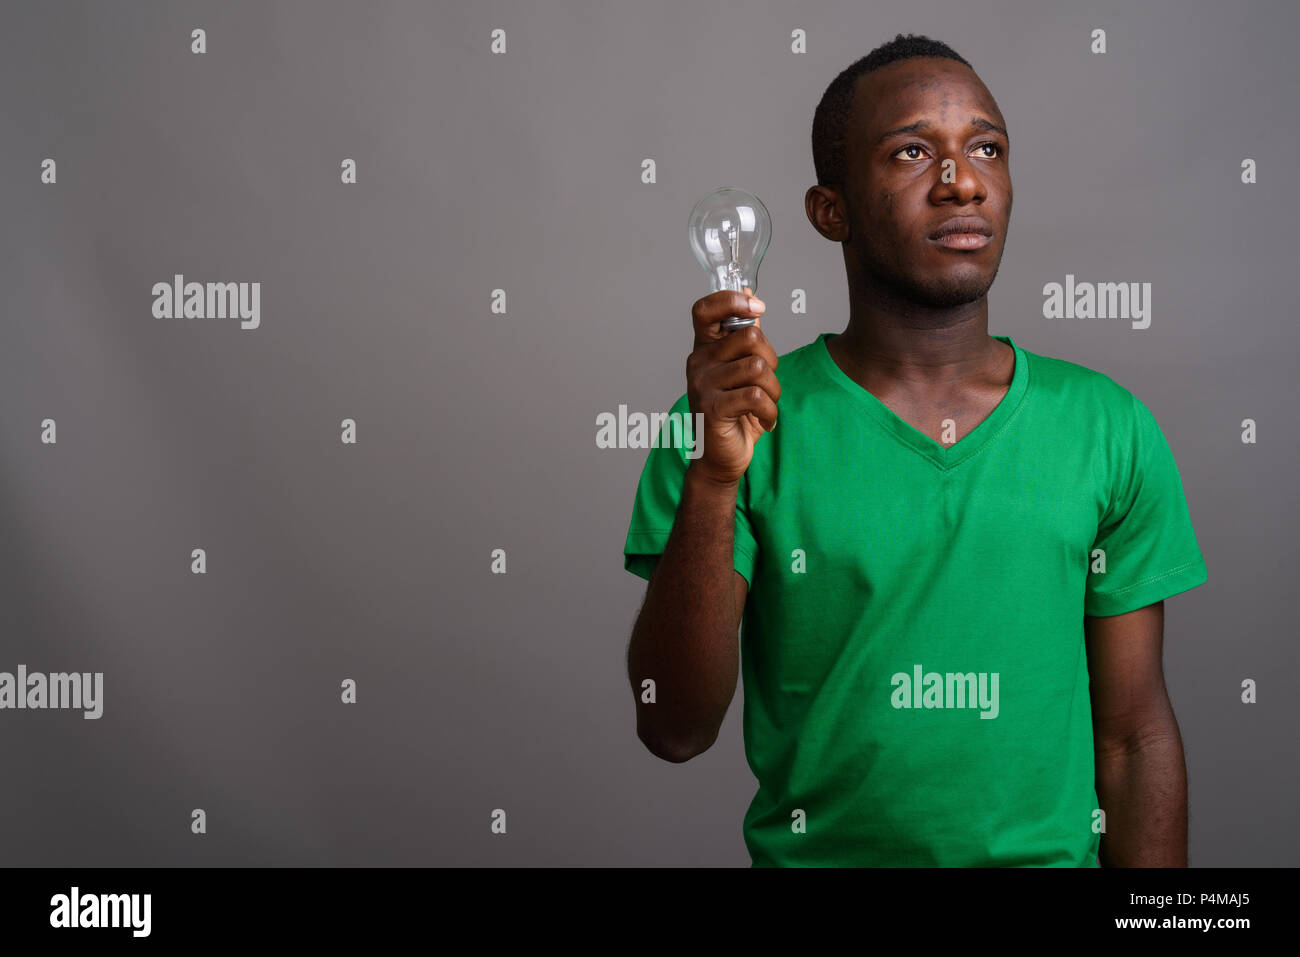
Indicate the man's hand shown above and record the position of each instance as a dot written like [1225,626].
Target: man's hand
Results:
[731,379]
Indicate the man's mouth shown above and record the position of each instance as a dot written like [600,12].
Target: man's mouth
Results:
[963,232]
[964,240]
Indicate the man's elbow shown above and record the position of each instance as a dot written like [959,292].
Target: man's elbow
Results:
[675,752]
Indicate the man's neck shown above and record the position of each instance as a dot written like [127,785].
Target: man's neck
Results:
[912,360]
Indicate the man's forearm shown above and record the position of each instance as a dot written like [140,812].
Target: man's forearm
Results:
[685,636]
[1143,790]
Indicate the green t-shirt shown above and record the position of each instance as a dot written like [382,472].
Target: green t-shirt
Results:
[912,648]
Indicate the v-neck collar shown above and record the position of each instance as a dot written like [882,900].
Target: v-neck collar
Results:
[943,456]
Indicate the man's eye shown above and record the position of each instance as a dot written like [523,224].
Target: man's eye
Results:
[914,146]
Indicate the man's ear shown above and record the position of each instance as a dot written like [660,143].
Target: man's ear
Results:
[825,208]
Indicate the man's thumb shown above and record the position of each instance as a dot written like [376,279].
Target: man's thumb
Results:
[758,320]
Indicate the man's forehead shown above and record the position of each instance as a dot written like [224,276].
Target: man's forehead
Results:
[905,91]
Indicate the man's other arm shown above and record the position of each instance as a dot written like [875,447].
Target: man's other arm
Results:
[1141,773]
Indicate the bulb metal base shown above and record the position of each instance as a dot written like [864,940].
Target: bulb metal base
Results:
[737,323]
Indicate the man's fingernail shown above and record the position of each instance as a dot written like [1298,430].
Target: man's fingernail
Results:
[756,305]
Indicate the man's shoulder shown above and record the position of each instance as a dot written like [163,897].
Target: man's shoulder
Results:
[1075,383]
[800,357]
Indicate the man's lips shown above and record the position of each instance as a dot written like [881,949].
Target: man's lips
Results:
[963,232]
[964,241]
[963,224]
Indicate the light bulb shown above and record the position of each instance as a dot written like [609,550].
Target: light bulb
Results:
[729,231]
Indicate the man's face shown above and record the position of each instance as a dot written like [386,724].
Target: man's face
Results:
[894,186]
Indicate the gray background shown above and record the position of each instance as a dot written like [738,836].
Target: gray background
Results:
[477,431]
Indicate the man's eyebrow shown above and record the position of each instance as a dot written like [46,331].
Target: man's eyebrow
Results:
[922,125]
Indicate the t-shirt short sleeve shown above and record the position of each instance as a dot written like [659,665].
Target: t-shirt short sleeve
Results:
[659,491]
[1150,546]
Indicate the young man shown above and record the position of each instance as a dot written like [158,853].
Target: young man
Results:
[952,555]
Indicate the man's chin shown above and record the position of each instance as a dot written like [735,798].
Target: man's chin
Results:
[949,295]
[939,289]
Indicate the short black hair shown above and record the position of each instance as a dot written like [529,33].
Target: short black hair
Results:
[830,122]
